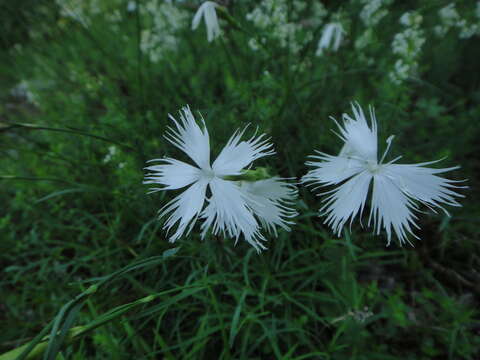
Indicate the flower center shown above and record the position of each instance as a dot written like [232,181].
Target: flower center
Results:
[373,166]
[209,174]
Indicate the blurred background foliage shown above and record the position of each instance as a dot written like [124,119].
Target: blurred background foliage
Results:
[85,89]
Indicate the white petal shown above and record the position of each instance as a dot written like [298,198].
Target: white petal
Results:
[184,209]
[173,174]
[391,209]
[421,183]
[331,38]
[360,139]
[190,138]
[332,170]
[237,154]
[269,200]
[346,201]
[207,10]
[228,213]
[326,38]
[211,21]
[274,188]
[198,17]
[338,36]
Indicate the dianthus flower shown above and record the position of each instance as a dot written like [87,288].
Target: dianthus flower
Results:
[235,201]
[397,188]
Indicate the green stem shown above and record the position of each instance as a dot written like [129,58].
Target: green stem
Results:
[7,127]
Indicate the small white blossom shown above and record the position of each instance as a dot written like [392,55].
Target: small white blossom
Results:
[290,26]
[160,37]
[23,89]
[112,151]
[374,11]
[233,207]
[331,38]
[131,6]
[253,44]
[408,46]
[396,187]
[401,72]
[208,12]
[408,43]
[449,15]
[451,19]
[467,31]
[75,10]
[411,19]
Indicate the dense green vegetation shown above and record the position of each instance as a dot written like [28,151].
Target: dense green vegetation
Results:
[85,92]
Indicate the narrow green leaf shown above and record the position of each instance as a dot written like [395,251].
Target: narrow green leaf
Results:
[234,328]
[59,193]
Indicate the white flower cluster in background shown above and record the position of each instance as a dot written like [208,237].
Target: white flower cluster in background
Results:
[451,19]
[112,155]
[407,45]
[165,19]
[85,11]
[289,27]
[112,151]
[365,39]
[374,11]
[371,14]
[79,10]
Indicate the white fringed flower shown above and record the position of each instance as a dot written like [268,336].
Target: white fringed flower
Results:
[270,199]
[331,38]
[232,206]
[396,187]
[207,10]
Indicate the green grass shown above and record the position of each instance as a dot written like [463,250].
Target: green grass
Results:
[70,220]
